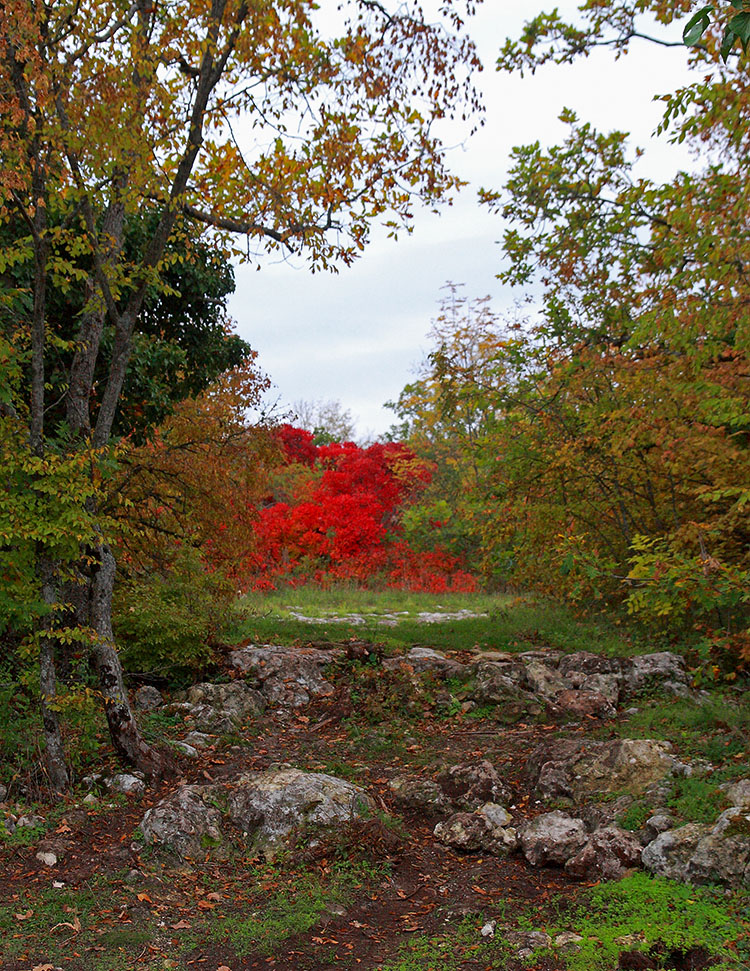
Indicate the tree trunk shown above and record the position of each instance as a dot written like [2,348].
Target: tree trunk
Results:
[126,738]
[57,770]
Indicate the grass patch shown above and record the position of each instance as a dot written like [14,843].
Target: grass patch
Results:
[284,911]
[716,729]
[508,624]
[643,913]
[696,800]
[451,951]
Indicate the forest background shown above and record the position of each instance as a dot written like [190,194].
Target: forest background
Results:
[597,453]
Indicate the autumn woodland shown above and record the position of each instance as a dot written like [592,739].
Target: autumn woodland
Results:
[564,482]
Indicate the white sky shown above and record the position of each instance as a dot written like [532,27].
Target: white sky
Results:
[356,336]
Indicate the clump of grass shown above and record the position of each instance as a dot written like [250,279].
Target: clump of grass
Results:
[451,950]
[645,913]
[696,800]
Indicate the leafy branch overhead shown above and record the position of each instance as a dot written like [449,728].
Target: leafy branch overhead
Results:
[736,29]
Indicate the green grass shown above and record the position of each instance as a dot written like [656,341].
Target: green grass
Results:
[716,728]
[451,950]
[509,625]
[641,912]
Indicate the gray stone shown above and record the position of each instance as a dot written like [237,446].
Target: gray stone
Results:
[423,795]
[3,793]
[552,838]
[544,680]
[470,786]
[669,853]
[656,824]
[287,676]
[185,749]
[609,852]
[568,942]
[30,822]
[605,684]
[579,768]
[130,785]
[273,806]
[488,829]
[236,699]
[737,793]
[148,698]
[525,943]
[48,858]
[723,855]
[197,740]
[663,671]
[514,704]
[484,667]
[583,703]
[185,822]
[424,659]
[584,663]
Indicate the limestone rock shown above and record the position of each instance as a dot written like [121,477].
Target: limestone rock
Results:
[552,838]
[579,769]
[424,659]
[272,806]
[470,786]
[423,795]
[723,855]
[525,943]
[544,680]
[514,704]
[669,853]
[237,699]
[3,793]
[148,698]
[185,822]
[609,852]
[488,829]
[738,793]
[663,671]
[582,703]
[287,676]
[588,664]
[130,785]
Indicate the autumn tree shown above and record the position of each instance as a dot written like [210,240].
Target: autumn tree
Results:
[242,119]
[622,462]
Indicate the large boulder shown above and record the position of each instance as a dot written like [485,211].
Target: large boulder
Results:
[579,769]
[737,793]
[544,680]
[236,699]
[271,807]
[663,671]
[185,822]
[148,698]
[703,853]
[420,795]
[498,685]
[609,852]
[287,676]
[552,838]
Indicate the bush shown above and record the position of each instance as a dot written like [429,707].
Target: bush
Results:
[169,623]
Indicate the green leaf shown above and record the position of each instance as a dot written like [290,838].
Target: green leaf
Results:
[697,25]
[727,43]
[740,24]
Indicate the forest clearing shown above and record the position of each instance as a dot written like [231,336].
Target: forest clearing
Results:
[469,692]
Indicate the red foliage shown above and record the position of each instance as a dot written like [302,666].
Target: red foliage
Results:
[347,528]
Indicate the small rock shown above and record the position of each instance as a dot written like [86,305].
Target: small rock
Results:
[489,929]
[90,799]
[656,824]
[186,749]
[130,785]
[526,942]
[199,740]
[545,681]
[552,838]
[48,858]
[663,671]
[30,822]
[568,942]
[3,793]
[148,698]
[477,831]
[581,703]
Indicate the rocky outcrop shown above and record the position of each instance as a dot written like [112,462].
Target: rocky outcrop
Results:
[423,660]
[148,698]
[580,769]
[608,854]
[286,676]
[704,853]
[420,795]
[472,785]
[269,808]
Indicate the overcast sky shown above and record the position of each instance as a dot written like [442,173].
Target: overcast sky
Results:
[356,336]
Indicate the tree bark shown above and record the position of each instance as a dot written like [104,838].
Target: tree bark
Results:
[57,770]
[123,728]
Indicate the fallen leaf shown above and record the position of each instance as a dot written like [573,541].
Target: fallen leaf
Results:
[180,925]
[43,967]
[25,916]
[213,896]
[144,898]
[223,967]
[74,926]
[205,905]
[63,828]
